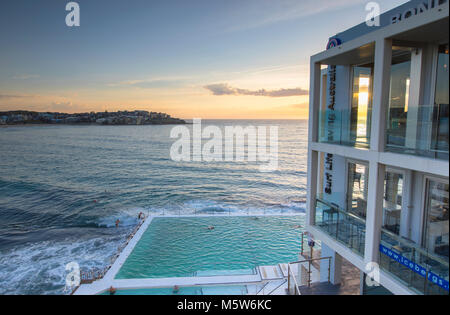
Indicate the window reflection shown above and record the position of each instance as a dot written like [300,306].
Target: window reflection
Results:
[441,103]
[437,224]
[361,104]
[413,127]
[399,99]
[358,181]
[392,203]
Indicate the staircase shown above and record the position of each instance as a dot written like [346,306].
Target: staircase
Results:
[270,273]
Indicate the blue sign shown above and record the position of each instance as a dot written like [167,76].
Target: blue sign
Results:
[333,42]
[433,278]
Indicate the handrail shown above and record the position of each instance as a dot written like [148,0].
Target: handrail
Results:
[277,287]
[302,244]
[296,288]
[362,221]
[309,261]
[263,287]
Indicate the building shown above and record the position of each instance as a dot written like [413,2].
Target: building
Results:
[378,185]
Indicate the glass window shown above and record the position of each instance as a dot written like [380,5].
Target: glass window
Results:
[436,221]
[399,98]
[392,203]
[413,127]
[361,111]
[358,181]
[344,123]
[441,102]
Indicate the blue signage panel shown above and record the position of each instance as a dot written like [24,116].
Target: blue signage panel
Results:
[433,278]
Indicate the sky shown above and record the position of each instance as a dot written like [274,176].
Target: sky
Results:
[210,59]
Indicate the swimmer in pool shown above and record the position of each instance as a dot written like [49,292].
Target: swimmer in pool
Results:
[211,228]
[176,289]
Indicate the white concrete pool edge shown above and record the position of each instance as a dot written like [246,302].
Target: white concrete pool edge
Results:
[125,284]
[106,281]
[109,280]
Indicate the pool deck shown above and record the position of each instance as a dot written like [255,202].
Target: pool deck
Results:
[109,280]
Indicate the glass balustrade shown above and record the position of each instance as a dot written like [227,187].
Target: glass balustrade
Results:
[416,268]
[344,227]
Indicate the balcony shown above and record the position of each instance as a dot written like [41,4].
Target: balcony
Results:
[345,114]
[413,126]
[337,127]
[416,268]
[344,227]
[421,130]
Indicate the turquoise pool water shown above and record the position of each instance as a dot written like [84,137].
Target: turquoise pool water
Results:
[219,290]
[185,247]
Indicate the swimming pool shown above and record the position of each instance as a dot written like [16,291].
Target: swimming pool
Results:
[211,290]
[185,247]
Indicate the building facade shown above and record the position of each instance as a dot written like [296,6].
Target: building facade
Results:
[378,156]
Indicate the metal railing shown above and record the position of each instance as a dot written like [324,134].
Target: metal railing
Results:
[304,244]
[294,284]
[276,288]
[262,289]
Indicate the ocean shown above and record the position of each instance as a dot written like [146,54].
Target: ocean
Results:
[63,187]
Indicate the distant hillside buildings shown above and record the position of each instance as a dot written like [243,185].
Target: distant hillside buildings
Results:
[137,117]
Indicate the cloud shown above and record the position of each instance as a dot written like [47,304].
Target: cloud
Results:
[225,89]
[152,83]
[26,77]
[258,13]
[38,102]
[63,106]
[12,96]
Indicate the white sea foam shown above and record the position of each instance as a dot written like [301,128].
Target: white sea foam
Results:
[40,268]
[202,207]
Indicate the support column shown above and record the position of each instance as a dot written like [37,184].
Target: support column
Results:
[414,92]
[336,265]
[381,90]
[314,101]
[313,167]
[407,205]
[374,211]
[314,105]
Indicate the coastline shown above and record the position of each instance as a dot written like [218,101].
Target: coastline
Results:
[89,124]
